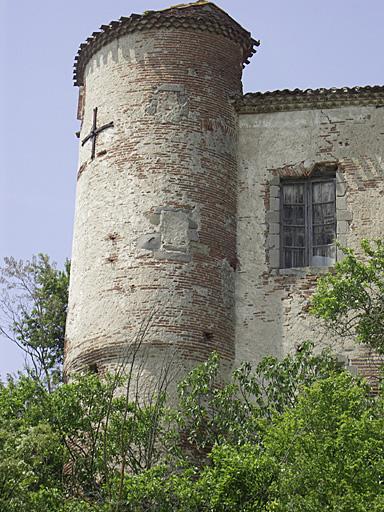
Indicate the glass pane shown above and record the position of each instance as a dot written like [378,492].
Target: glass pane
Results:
[329,212]
[288,214]
[293,229]
[293,215]
[318,236]
[298,259]
[323,213]
[317,214]
[323,192]
[328,191]
[316,193]
[293,237]
[287,258]
[293,258]
[329,233]
[288,238]
[299,215]
[324,256]
[299,237]
[293,194]
[323,223]
[323,235]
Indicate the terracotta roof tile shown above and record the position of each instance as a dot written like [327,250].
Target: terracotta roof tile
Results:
[200,15]
[297,99]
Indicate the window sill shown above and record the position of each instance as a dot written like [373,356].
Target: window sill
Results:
[303,271]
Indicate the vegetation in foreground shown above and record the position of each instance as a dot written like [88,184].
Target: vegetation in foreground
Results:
[300,434]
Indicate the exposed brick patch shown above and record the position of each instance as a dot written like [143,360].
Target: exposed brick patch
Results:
[369,366]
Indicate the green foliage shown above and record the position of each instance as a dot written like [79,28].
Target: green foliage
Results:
[326,452]
[31,450]
[79,441]
[103,431]
[329,450]
[161,488]
[351,299]
[238,480]
[33,303]
[298,434]
[212,413]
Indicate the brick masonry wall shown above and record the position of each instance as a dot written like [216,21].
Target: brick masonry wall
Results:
[155,222]
[271,304]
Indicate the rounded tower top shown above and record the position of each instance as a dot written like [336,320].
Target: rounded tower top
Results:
[200,16]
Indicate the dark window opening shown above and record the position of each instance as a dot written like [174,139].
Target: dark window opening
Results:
[308,222]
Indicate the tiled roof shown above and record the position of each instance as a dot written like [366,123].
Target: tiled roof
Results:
[201,15]
[285,100]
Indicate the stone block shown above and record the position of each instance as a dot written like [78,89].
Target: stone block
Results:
[275,203]
[342,240]
[170,88]
[274,228]
[172,255]
[342,227]
[275,181]
[272,216]
[274,191]
[199,248]
[341,203]
[192,224]
[154,218]
[193,235]
[344,215]
[274,258]
[149,242]
[174,227]
[273,241]
[340,185]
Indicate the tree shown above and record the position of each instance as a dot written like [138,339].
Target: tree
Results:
[31,451]
[309,438]
[297,434]
[33,308]
[211,413]
[329,450]
[350,299]
[77,444]
[324,453]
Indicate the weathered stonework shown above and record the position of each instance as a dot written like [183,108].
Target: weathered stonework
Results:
[155,225]
[272,303]
[178,215]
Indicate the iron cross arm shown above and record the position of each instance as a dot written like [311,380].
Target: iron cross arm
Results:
[95,132]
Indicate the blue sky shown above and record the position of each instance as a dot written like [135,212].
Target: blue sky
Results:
[304,43]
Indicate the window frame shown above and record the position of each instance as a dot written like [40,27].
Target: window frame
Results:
[307,182]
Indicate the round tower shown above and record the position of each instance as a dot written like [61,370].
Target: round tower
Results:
[154,248]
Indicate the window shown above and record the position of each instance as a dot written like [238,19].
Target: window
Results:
[308,222]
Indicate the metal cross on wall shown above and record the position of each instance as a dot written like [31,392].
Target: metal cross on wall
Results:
[95,132]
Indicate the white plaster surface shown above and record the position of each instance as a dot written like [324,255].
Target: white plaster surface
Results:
[271,305]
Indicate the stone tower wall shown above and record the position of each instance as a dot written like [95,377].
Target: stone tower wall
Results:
[155,222]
